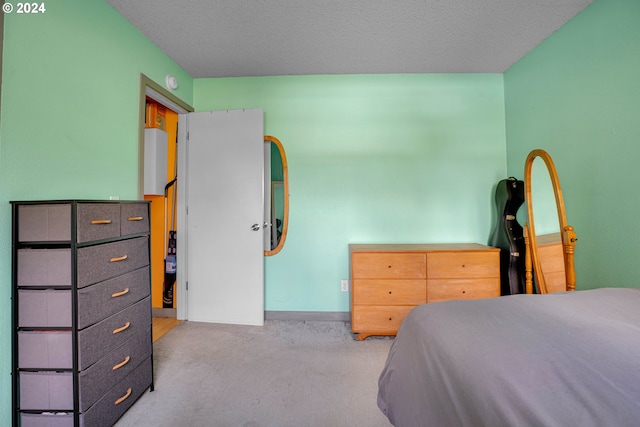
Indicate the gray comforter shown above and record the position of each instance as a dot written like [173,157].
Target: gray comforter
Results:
[566,359]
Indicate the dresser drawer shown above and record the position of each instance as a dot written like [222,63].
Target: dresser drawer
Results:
[102,262]
[99,301]
[46,390]
[112,368]
[97,221]
[463,264]
[378,319]
[99,339]
[44,223]
[462,289]
[45,350]
[388,266]
[134,218]
[46,419]
[44,308]
[389,292]
[119,398]
[44,267]
[54,349]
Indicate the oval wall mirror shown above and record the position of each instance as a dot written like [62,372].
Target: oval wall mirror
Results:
[551,241]
[277,212]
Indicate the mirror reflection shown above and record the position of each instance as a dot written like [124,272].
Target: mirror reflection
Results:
[276,195]
[548,238]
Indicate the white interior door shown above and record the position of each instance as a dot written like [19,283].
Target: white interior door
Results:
[225,217]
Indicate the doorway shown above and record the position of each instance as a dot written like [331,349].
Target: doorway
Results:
[158,113]
[225,289]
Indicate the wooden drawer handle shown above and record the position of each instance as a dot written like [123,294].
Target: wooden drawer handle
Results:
[123,328]
[120,258]
[125,397]
[119,294]
[101,221]
[135,218]
[121,364]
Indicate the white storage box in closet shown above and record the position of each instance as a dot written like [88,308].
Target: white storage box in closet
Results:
[156,154]
[82,347]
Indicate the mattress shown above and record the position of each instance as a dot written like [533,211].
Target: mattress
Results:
[566,359]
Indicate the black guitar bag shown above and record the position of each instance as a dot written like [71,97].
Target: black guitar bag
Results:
[509,236]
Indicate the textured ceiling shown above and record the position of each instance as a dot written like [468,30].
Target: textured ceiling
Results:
[229,38]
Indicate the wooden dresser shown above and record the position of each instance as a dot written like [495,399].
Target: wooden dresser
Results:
[82,347]
[387,281]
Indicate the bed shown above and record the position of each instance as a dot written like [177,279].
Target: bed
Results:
[507,362]
[539,359]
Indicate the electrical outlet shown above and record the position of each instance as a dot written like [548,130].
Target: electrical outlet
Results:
[344,285]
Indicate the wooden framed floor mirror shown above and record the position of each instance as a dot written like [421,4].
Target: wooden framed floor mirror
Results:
[550,241]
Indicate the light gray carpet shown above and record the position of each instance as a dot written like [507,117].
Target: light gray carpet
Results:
[287,373]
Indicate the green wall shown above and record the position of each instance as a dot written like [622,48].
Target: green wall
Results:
[577,95]
[386,159]
[372,159]
[69,124]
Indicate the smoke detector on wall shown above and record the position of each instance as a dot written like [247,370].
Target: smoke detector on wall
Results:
[172,82]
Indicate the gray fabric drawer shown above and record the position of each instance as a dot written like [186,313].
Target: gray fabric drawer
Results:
[97,221]
[106,411]
[46,420]
[44,223]
[102,262]
[45,349]
[44,267]
[99,301]
[134,218]
[99,339]
[46,390]
[44,308]
[101,376]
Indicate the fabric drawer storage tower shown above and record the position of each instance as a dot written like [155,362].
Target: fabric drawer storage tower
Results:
[82,345]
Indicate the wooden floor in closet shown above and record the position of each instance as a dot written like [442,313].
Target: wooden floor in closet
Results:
[162,325]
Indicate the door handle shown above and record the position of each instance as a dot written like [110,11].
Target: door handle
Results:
[255,227]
